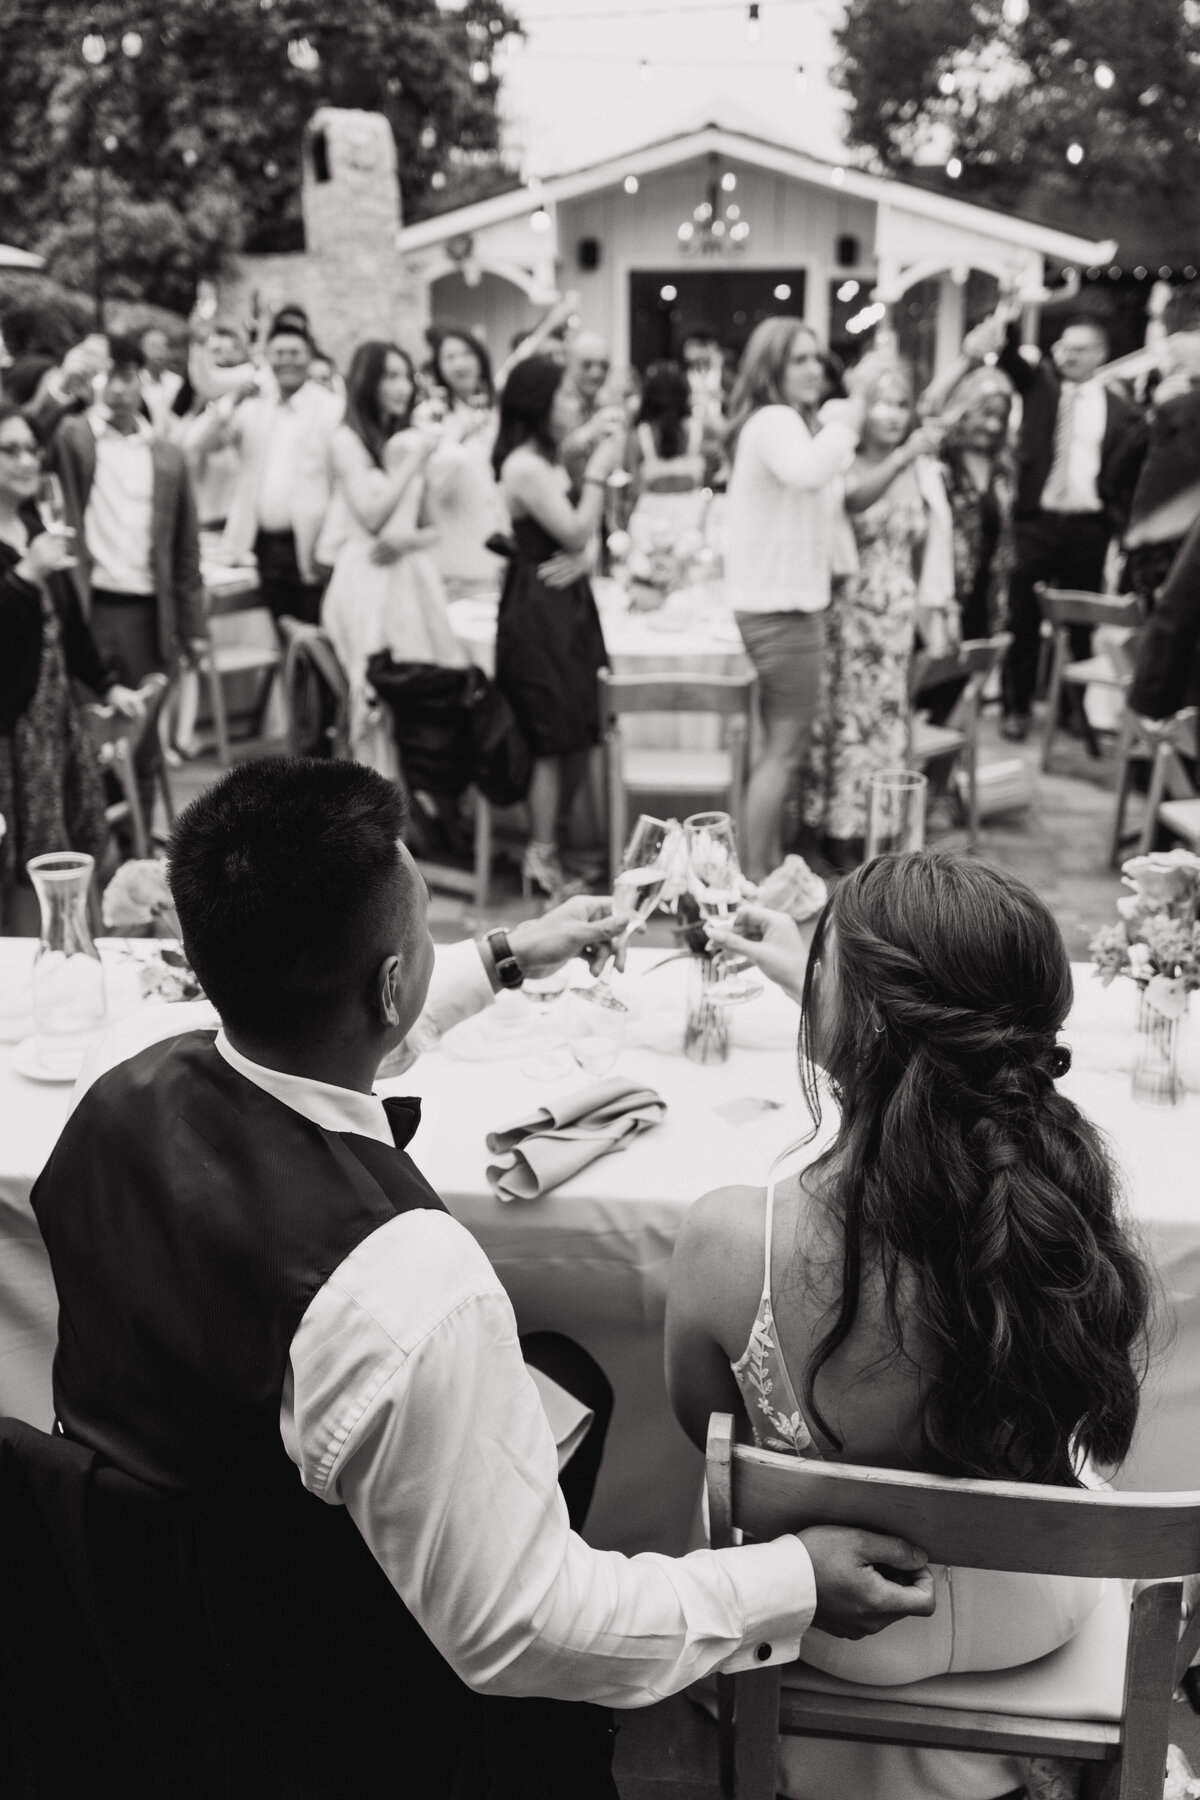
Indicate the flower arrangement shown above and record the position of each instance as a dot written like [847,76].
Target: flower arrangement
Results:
[1157,939]
[137,904]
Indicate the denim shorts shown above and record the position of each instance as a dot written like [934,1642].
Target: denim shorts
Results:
[787,650]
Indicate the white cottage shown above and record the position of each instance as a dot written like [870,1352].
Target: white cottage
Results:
[717,226]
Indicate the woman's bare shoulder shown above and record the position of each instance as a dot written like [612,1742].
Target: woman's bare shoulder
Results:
[719,1255]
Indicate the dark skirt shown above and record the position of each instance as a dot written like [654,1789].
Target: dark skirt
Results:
[549,652]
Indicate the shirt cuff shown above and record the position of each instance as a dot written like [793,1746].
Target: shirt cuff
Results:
[778,1589]
[459,989]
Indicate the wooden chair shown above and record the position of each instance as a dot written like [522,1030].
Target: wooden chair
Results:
[722,772]
[1062,608]
[117,740]
[243,643]
[1139,746]
[314,683]
[976,660]
[1172,799]
[1104,1698]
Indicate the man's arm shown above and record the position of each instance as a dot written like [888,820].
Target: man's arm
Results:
[411,1404]
[188,580]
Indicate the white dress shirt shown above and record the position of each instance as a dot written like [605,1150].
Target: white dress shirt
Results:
[408,1401]
[277,479]
[120,510]
[160,393]
[1071,486]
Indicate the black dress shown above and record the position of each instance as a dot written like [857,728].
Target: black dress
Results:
[549,650]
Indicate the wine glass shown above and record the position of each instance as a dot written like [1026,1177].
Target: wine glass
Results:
[718,889]
[645,866]
[50,504]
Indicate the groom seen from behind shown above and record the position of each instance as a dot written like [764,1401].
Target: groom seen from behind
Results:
[266,1311]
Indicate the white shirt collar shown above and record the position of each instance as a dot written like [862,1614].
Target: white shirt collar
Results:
[98,418]
[332,1108]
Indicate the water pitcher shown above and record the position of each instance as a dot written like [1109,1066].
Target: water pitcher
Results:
[68,979]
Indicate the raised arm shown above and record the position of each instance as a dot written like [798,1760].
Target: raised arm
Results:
[531,485]
[373,494]
[798,460]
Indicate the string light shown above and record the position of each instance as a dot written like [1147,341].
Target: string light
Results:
[668,293]
[1075,154]
[954,168]
[132,45]
[1104,76]
[479,72]
[801,79]
[783,291]
[728,181]
[631,184]
[1015,11]
[947,82]
[303,55]
[837,176]
[94,49]
[540,220]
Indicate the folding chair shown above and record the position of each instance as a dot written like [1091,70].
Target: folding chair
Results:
[238,644]
[717,773]
[1172,800]
[1104,1698]
[1139,746]
[1062,608]
[314,683]
[117,740]
[959,736]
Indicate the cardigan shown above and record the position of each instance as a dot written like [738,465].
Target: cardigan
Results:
[21,625]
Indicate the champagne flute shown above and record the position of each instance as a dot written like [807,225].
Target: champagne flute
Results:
[644,870]
[718,889]
[50,505]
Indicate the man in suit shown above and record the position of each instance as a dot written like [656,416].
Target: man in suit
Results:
[127,497]
[1068,503]
[283,487]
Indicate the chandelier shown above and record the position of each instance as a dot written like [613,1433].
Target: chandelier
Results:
[716,226]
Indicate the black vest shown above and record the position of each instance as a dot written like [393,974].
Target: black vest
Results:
[190,1218]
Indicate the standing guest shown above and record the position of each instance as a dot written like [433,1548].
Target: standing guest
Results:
[214,466]
[463,498]
[51,797]
[283,487]
[979,483]
[161,384]
[896,498]
[783,523]
[128,499]
[290,1336]
[1166,486]
[589,364]
[1072,429]
[549,644]
[949,1287]
[666,462]
[322,372]
[385,592]
[1168,667]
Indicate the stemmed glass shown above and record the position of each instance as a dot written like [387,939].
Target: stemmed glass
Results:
[645,865]
[50,504]
[718,889]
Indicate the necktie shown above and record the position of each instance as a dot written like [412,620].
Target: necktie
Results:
[1056,493]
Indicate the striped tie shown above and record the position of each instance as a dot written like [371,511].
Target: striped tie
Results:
[1057,492]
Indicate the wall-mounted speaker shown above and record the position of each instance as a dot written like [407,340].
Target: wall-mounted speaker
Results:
[847,251]
[588,253]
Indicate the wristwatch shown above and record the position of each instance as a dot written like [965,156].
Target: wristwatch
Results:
[509,972]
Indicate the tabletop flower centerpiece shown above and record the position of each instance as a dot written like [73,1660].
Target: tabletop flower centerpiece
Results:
[137,904]
[1156,942]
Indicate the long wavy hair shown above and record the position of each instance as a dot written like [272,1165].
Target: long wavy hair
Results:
[666,406]
[363,414]
[760,373]
[454,334]
[525,407]
[959,1167]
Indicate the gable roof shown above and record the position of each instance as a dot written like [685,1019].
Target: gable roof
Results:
[742,145]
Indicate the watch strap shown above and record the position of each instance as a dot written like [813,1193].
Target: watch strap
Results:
[509,972]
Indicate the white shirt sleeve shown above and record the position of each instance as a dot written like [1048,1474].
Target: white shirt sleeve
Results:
[408,1401]
[796,458]
[459,989]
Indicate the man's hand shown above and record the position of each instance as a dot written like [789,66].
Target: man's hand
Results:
[866,1582]
[986,339]
[771,940]
[125,700]
[584,926]
[564,569]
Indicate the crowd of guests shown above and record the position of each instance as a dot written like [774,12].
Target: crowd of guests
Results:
[862,520]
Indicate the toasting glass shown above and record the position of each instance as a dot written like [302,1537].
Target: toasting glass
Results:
[718,889]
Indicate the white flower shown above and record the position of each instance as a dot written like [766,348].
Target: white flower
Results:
[1167,995]
[1140,964]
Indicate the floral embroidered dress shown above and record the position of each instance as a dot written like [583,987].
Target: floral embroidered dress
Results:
[862,718]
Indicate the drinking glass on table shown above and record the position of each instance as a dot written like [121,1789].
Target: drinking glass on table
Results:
[895,811]
[718,888]
[644,868]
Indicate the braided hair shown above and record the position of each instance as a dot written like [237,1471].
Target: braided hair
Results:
[961,1170]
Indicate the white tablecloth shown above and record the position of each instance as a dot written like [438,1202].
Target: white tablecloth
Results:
[592,1258]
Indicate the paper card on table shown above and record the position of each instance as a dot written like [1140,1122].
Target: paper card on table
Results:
[554,1141]
[746,1108]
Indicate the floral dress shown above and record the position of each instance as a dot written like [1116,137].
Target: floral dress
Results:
[862,717]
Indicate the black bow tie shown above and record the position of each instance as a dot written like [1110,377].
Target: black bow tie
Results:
[403,1116]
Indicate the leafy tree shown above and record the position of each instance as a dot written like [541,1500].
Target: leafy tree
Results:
[1083,113]
[195,117]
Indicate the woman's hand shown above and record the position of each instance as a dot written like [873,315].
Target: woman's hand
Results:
[387,550]
[852,413]
[771,940]
[925,440]
[50,553]
[564,569]
[605,458]
[125,700]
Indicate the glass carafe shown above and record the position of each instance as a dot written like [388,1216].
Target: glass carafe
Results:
[69,1005]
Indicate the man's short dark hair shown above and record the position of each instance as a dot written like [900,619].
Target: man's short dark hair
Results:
[289,328]
[1092,322]
[287,882]
[126,353]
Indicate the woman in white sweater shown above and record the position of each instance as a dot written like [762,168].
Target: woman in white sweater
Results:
[783,523]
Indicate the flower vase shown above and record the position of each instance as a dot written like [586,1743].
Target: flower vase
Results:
[1157,1072]
[69,1001]
[706,1033]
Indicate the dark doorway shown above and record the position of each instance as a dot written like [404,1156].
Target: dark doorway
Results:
[665,304]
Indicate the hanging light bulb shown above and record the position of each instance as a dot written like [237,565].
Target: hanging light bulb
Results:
[947,82]
[132,45]
[1015,11]
[801,78]
[303,55]
[1075,154]
[94,49]
[1104,76]
[954,168]
[631,184]
[752,23]
[728,181]
[479,72]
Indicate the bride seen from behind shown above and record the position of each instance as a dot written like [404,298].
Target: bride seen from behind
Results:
[947,1287]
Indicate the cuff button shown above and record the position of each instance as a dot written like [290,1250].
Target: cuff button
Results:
[763,1653]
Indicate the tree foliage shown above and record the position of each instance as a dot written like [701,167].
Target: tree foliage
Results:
[929,80]
[198,134]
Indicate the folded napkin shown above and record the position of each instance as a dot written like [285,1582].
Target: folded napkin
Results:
[555,1141]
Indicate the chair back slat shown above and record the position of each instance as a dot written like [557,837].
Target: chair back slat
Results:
[972,1524]
[1071,606]
[977,656]
[724,694]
